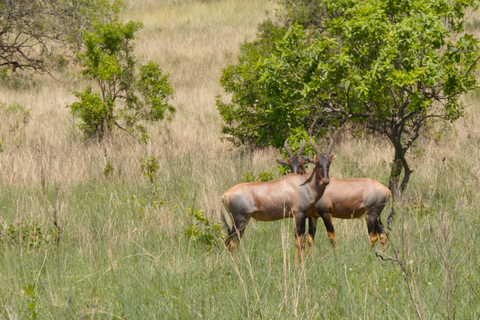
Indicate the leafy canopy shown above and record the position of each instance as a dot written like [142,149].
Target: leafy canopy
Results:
[390,65]
[128,95]
[41,34]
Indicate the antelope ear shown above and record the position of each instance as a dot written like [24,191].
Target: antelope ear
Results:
[282,162]
[307,159]
[332,157]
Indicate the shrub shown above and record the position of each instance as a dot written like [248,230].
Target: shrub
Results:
[128,95]
[201,231]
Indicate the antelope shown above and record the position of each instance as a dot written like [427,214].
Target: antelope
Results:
[293,195]
[297,162]
[348,199]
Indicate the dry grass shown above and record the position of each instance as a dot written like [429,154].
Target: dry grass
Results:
[191,40]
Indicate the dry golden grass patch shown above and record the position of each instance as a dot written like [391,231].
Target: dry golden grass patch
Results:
[191,40]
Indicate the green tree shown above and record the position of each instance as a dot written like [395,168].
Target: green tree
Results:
[390,65]
[42,34]
[128,95]
[247,122]
[308,13]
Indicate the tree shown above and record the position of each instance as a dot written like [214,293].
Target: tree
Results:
[247,121]
[308,13]
[40,34]
[128,96]
[390,65]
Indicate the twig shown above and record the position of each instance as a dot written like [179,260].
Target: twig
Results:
[417,305]
[55,217]
[386,302]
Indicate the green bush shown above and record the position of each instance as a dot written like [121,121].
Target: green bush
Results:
[96,114]
[201,231]
[26,234]
[128,95]
[262,176]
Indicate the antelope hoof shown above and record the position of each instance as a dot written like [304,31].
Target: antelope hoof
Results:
[230,245]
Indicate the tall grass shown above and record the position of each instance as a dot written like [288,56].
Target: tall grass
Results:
[104,244]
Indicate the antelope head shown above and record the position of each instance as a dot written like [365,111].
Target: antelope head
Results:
[297,162]
[322,161]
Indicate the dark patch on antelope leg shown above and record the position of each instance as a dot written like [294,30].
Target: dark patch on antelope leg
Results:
[371,226]
[239,225]
[327,220]
[312,228]
[300,219]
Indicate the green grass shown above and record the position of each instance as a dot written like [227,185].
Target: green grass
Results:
[123,254]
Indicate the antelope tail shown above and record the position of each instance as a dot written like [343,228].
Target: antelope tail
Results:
[227,222]
[392,213]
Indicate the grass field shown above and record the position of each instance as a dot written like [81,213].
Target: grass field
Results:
[86,236]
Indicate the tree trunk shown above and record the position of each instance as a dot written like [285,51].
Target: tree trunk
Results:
[395,175]
[399,164]
[406,177]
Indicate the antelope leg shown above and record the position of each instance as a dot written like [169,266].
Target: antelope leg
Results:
[300,219]
[312,228]
[327,220]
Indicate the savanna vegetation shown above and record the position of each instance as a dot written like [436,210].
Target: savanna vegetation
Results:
[126,226]
[390,66]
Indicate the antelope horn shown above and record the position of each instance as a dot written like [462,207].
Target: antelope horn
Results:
[330,147]
[315,147]
[289,151]
[302,146]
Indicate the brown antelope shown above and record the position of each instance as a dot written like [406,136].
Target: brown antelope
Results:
[349,199]
[293,195]
[297,162]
